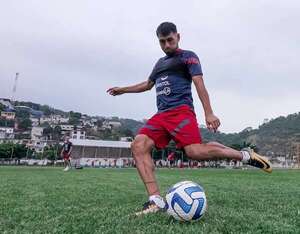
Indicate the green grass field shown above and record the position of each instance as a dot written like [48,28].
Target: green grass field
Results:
[47,200]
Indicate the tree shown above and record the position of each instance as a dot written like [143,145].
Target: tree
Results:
[7,123]
[20,151]
[47,110]
[74,121]
[126,132]
[2,107]
[10,150]
[6,150]
[74,118]
[56,134]
[51,152]
[25,124]
[22,113]
[99,123]
[47,130]
[76,115]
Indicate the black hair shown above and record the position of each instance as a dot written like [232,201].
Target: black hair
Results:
[165,28]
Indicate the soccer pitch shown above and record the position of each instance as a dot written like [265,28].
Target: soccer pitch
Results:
[48,200]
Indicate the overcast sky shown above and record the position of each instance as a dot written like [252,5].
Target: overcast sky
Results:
[69,52]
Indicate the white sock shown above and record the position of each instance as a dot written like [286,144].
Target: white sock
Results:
[245,156]
[158,200]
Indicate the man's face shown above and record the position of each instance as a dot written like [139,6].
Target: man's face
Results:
[169,43]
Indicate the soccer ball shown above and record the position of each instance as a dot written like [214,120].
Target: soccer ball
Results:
[186,201]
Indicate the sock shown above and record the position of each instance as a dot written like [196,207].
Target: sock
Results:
[245,156]
[158,200]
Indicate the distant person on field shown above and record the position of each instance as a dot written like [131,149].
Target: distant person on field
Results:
[66,153]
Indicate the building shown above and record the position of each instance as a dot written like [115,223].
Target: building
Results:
[45,119]
[54,119]
[9,115]
[39,146]
[100,149]
[111,124]
[7,103]
[88,123]
[6,133]
[33,113]
[37,133]
[58,119]
[78,134]
[66,129]
[35,122]
[126,139]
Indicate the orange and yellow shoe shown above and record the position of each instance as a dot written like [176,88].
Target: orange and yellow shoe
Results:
[258,161]
[148,207]
[156,203]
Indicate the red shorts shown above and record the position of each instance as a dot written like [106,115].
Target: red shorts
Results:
[179,124]
[66,156]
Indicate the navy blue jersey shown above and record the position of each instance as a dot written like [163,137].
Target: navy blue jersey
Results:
[67,146]
[172,76]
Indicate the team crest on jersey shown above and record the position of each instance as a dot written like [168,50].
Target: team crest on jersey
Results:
[166,91]
[192,60]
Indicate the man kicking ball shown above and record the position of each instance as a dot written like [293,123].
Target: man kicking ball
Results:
[172,76]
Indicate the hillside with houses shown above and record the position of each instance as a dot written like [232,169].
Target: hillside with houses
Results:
[39,126]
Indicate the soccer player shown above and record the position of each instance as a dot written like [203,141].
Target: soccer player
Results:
[172,76]
[66,153]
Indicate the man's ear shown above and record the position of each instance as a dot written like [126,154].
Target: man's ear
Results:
[178,36]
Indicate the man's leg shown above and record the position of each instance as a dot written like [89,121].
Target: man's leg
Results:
[69,162]
[141,148]
[212,150]
[215,150]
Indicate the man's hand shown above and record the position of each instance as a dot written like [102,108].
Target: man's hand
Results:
[212,122]
[115,91]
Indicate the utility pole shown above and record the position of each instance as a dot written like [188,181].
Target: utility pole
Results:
[296,153]
[15,87]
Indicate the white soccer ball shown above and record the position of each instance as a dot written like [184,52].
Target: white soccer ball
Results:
[186,201]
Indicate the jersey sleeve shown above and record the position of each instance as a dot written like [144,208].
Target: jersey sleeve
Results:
[193,64]
[152,76]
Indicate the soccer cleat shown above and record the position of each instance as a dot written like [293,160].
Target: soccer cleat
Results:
[67,168]
[258,161]
[148,207]
[155,204]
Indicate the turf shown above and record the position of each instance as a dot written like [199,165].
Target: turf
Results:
[47,200]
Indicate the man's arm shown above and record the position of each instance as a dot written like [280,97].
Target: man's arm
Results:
[138,88]
[70,151]
[212,121]
[61,152]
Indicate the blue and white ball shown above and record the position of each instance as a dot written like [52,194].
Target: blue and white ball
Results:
[186,201]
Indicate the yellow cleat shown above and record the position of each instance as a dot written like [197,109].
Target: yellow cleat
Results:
[258,161]
[149,207]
